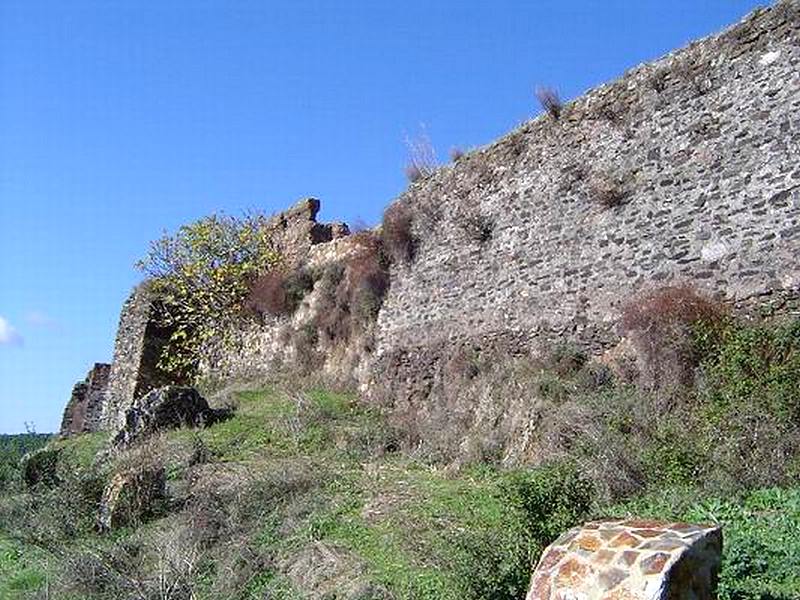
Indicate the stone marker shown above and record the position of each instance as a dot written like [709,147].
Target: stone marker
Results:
[630,560]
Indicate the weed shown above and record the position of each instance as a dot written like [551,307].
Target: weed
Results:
[607,191]
[422,157]
[397,234]
[278,293]
[550,102]
[660,324]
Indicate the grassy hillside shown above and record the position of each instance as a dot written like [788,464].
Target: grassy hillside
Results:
[306,493]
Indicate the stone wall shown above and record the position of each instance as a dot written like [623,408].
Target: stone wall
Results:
[140,340]
[83,412]
[137,349]
[684,170]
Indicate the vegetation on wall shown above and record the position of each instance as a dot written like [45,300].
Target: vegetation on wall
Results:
[202,275]
[278,292]
[397,233]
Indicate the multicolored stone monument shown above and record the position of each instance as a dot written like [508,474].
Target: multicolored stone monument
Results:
[630,560]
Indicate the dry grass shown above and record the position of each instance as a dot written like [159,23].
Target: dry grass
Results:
[660,323]
[607,191]
[353,294]
[422,161]
[277,292]
[397,233]
[550,102]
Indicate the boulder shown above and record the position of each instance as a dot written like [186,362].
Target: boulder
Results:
[630,560]
[164,408]
[131,497]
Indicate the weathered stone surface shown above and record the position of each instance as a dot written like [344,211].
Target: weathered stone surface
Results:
[140,339]
[164,408]
[699,147]
[40,467]
[83,413]
[593,562]
[294,231]
[704,146]
[137,349]
[130,497]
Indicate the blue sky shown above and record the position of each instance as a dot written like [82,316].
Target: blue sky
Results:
[119,120]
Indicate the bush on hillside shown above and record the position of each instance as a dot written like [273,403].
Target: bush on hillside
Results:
[476,226]
[660,324]
[421,157]
[12,449]
[553,498]
[751,393]
[606,190]
[550,102]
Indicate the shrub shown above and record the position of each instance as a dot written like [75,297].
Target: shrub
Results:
[306,342]
[353,293]
[550,102]
[751,378]
[456,154]
[201,276]
[397,236]
[422,157]
[278,293]
[12,449]
[553,498]
[660,324]
[694,72]
[658,79]
[414,173]
[267,295]
[607,191]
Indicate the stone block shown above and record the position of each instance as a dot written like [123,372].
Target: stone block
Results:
[631,560]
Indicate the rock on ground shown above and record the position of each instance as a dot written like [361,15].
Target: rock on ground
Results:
[168,407]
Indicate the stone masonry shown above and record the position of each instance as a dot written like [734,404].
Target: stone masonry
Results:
[140,340]
[137,349]
[685,170]
[630,560]
[84,410]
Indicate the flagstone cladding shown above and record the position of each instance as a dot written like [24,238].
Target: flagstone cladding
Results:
[630,560]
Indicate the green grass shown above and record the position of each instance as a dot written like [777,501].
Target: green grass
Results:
[12,449]
[22,571]
[80,451]
[321,470]
[761,536]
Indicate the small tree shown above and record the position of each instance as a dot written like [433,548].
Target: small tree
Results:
[201,276]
